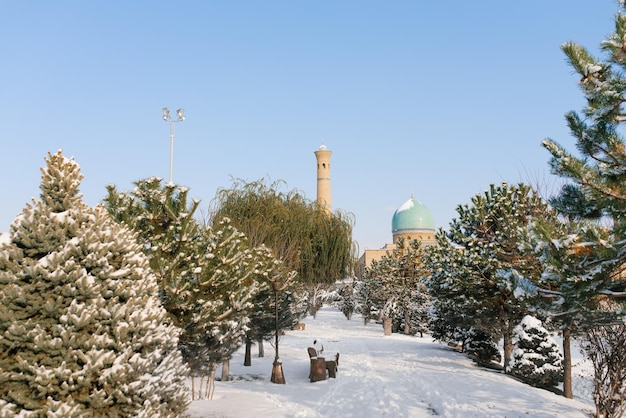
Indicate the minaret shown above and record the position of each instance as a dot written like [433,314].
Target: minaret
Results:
[324,196]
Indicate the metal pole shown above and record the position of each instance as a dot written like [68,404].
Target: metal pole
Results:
[166,117]
[171,148]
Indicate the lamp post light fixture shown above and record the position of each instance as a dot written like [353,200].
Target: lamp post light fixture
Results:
[166,117]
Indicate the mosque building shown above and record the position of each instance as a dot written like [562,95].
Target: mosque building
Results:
[412,220]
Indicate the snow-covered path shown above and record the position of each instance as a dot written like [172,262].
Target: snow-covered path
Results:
[393,376]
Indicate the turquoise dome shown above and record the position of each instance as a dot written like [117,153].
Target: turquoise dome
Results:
[412,216]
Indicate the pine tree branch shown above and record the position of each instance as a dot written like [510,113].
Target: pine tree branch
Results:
[602,190]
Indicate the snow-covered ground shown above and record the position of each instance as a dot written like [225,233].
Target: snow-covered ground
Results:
[393,376]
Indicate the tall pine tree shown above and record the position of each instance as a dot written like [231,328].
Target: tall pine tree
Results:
[596,180]
[473,266]
[587,263]
[82,331]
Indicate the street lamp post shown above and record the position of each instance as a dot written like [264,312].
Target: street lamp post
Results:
[166,117]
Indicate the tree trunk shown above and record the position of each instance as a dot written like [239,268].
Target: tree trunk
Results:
[225,370]
[387,326]
[247,360]
[407,328]
[567,364]
[507,337]
[261,349]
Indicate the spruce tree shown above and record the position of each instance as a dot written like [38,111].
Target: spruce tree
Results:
[82,331]
[536,356]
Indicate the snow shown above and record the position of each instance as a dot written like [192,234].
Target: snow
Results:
[378,376]
[406,205]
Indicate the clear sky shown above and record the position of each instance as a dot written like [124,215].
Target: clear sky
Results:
[437,99]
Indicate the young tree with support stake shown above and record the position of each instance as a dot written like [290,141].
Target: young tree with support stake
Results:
[279,284]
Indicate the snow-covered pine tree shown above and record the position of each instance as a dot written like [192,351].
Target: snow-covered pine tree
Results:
[472,265]
[82,331]
[226,283]
[536,355]
[164,221]
[263,315]
[594,267]
[571,279]
[596,181]
[209,277]
[480,345]
[395,284]
[348,296]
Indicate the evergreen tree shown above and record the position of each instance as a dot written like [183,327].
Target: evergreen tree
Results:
[82,331]
[348,296]
[587,262]
[570,288]
[479,345]
[396,289]
[536,356]
[475,260]
[168,233]
[596,181]
[209,277]
[225,286]
[263,321]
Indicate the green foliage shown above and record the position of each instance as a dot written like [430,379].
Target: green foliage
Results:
[586,259]
[229,277]
[475,262]
[577,260]
[208,277]
[536,357]
[82,331]
[480,345]
[309,240]
[596,181]
[167,231]
[395,284]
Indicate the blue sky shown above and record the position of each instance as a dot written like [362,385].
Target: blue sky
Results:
[435,99]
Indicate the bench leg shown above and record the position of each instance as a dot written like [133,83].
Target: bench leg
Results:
[331,366]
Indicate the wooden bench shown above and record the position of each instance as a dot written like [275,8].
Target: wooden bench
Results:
[319,366]
[332,366]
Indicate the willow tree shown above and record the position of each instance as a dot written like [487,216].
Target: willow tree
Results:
[303,235]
